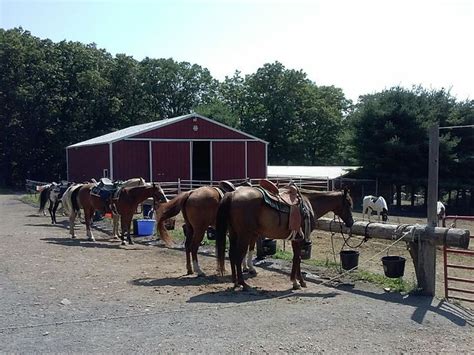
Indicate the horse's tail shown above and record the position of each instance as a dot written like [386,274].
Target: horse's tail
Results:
[74,202]
[167,210]
[221,230]
[44,196]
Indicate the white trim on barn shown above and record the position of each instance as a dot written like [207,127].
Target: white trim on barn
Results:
[111,162]
[210,158]
[150,160]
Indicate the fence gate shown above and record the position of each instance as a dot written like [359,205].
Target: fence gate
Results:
[464,262]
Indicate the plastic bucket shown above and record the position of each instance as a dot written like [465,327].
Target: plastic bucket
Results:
[144,227]
[306,250]
[269,246]
[393,266]
[349,259]
[211,233]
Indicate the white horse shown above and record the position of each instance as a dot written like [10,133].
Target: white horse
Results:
[441,212]
[375,204]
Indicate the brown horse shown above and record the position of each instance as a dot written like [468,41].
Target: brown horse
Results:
[199,208]
[246,215]
[128,201]
[81,197]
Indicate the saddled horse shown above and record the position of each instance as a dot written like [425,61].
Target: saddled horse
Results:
[128,201]
[199,208]
[53,194]
[247,216]
[375,204]
[81,198]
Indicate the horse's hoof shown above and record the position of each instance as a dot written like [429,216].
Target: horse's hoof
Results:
[244,269]
[190,272]
[246,287]
[252,272]
[73,237]
[296,287]
[201,274]
[123,243]
[303,284]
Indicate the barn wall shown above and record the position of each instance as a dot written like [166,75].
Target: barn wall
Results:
[170,161]
[131,159]
[87,162]
[256,160]
[184,130]
[228,160]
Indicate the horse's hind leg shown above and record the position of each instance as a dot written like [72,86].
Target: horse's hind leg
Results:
[188,232]
[198,236]
[238,255]
[72,218]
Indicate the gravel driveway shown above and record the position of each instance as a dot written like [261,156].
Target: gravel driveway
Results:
[63,295]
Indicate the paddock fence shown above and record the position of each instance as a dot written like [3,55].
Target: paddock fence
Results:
[454,285]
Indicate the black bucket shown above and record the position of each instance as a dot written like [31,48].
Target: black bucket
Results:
[269,246]
[349,259]
[306,250]
[393,266]
[211,233]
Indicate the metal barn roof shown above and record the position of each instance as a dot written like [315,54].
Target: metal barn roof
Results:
[145,127]
[330,172]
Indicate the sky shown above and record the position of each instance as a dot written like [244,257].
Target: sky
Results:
[361,46]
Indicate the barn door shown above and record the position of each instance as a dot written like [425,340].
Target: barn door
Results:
[201,161]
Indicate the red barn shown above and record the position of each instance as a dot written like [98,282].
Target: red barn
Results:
[190,147]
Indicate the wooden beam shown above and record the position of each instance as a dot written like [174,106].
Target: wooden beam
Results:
[454,237]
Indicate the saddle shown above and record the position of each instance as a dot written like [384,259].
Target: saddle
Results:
[288,200]
[224,187]
[106,190]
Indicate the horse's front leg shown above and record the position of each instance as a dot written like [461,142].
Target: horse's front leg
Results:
[88,217]
[128,222]
[115,226]
[296,266]
[248,264]
[55,208]
[299,275]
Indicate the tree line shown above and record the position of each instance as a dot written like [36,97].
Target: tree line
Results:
[56,94]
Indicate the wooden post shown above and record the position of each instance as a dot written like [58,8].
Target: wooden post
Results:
[423,253]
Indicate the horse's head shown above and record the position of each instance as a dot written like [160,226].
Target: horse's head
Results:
[344,210]
[159,196]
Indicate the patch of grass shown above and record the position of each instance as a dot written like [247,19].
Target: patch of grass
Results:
[395,285]
[30,199]
[178,235]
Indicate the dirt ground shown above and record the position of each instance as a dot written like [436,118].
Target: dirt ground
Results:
[64,295]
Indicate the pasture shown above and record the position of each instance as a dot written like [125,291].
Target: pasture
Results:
[64,295]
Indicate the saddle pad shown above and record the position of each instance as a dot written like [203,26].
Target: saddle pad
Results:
[271,202]
[103,194]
